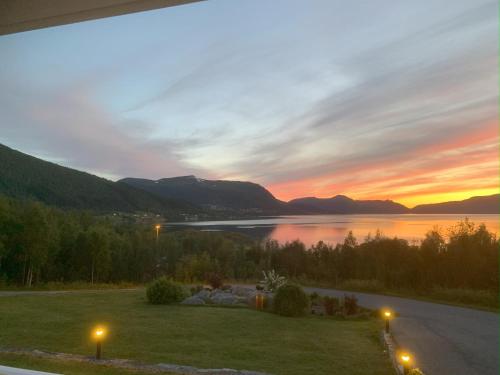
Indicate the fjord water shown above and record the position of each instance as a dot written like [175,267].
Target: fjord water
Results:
[332,229]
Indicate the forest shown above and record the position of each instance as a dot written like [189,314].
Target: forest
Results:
[40,244]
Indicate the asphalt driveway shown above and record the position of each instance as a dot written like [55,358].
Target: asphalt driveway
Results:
[444,339]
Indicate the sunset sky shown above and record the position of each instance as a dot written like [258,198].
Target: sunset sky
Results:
[371,99]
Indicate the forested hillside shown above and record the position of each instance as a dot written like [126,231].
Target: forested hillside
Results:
[214,194]
[24,176]
[476,205]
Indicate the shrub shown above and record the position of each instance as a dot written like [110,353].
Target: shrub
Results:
[164,291]
[290,300]
[331,305]
[272,281]
[215,280]
[314,298]
[350,304]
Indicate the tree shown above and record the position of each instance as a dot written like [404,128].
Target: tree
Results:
[99,252]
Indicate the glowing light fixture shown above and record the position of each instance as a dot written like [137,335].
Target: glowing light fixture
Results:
[406,362]
[99,333]
[387,314]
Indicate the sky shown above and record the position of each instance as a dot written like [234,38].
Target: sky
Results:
[370,99]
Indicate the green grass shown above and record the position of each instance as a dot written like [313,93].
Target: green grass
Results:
[208,337]
[63,367]
[75,285]
[487,300]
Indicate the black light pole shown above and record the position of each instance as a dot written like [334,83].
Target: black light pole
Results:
[387,317]
[98,350]
[99,334]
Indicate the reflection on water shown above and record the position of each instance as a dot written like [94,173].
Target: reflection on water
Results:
[333,228]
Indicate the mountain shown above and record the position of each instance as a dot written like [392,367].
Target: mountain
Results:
[244,197]
[476,205]
[340,204]
[24,176]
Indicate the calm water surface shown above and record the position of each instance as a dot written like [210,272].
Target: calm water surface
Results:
[333,228]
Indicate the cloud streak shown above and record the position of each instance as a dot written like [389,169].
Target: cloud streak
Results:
[335,98]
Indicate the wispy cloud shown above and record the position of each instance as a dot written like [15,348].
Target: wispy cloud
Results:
[333,98]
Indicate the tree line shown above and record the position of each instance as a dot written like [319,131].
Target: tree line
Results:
[40,244]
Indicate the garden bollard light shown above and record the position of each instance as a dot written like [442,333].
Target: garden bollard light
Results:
[387,317]
[99,334]
[406,361]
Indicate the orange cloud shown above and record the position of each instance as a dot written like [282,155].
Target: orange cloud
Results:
[465,165]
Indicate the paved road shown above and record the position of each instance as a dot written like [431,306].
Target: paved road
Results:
[444,339]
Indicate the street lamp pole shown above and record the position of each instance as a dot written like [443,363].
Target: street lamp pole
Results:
[157,227]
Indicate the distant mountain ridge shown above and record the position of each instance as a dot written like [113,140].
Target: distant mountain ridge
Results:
[24,176]
[340,204]
[213,194]
[489,204]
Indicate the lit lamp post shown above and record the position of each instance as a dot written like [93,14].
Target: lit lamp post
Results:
[387,316]
[406,362]
[99,333]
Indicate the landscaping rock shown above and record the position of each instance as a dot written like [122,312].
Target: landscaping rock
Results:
[224,298]
[193,300]
[242,291]
[204,295]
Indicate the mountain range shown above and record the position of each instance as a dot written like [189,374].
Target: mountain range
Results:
[26,177]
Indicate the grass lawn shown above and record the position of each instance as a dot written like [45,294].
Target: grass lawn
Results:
[208,337]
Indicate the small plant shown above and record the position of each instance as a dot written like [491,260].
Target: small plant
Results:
[350,304]
[331,305]
[415,371]
[215,280]
[272,281]
[164,291]
[291,300]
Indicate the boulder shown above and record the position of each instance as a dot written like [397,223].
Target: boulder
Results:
[223,298]
[204,295]
[193,300]
[242,291]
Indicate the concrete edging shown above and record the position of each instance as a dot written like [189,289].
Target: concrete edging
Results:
[391,346]
[131,364]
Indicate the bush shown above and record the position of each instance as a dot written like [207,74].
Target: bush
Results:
[164,291]
[350,304]
[215,280]
[291,300]
[314,298]
[331,305]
